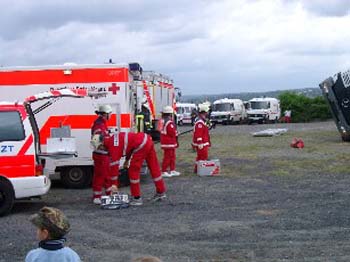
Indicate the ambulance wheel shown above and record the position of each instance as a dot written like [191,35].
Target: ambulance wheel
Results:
[76,176]
[7,197]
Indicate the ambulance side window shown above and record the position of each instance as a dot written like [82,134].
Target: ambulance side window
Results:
[11,128]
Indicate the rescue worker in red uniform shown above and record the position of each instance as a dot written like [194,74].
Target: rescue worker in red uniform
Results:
[135,147]
[102,175]
[169,143]
[201,138]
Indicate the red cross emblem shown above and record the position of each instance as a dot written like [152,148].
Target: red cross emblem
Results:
[114,88]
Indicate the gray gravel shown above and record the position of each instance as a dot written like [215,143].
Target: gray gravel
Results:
[256,218]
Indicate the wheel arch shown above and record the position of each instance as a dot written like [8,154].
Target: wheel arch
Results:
[4,179]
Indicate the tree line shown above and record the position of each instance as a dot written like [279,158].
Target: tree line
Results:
[304,109]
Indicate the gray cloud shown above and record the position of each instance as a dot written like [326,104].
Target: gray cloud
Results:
[22,16]
[325,7]
[205,46]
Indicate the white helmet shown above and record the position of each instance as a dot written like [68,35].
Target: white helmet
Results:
[96,141]
[203,108]
[168,110]
[105,109]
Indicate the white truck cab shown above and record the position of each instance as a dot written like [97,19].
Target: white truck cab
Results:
[21,170]
[22,162]
[228,111]
[264,110]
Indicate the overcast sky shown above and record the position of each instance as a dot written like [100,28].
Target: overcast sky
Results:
[206,46]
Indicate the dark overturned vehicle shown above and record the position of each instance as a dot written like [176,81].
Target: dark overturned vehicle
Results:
[336,90]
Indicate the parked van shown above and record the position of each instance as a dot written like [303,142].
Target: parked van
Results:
[228,111]
[184,113]
[264,110]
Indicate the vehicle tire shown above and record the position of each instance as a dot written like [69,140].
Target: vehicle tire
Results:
[7,197]
[77,176]
[180,123]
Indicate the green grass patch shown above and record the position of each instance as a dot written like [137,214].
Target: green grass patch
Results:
[241,154]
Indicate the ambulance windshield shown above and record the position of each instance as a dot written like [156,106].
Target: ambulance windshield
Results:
[222,107]
[259,105]
[183,110]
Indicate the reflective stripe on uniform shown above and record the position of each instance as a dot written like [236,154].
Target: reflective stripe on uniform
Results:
[157,179]
[142,144]
[165,127]
[169,146]
[101,152]
[97,192]
[205,144]
[115,163]
[134,181]
[113,178]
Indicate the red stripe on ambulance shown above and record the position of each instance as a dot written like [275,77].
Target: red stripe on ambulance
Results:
[58,76]
[17,166]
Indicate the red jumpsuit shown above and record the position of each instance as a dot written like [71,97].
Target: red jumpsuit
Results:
[102,175]
[136,147]
[168,141]
[201,138]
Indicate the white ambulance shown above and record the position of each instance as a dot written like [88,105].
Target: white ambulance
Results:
[136,96]
[264,110]
[184,112]
[228,111]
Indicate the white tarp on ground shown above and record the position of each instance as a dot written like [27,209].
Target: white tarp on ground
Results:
[270,132]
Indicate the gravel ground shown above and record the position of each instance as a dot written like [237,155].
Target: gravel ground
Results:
[252,217]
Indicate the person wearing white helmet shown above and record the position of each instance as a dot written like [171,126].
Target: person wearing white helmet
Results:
[201,138]
[102,178]
[168,142]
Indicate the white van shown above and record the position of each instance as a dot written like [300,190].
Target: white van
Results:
[264,110]
[228,111]
[184,113]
